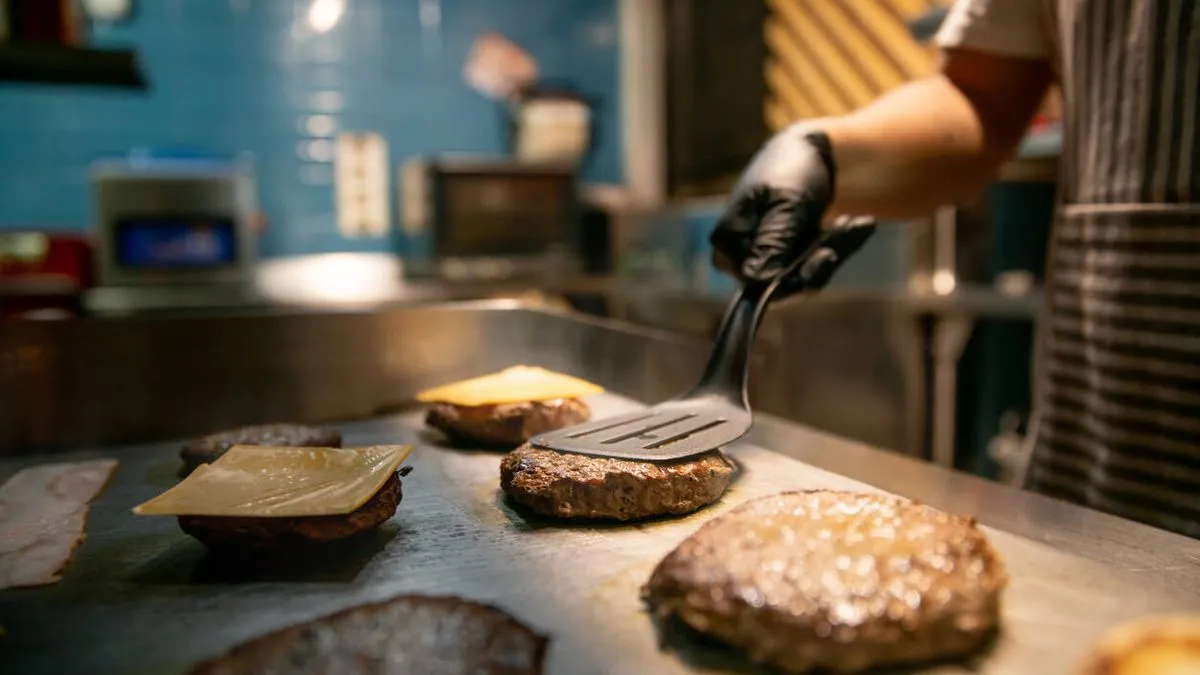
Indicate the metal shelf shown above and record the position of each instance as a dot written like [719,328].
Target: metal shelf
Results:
[60,64]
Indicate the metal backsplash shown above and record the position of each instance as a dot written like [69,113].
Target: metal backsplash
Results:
[117,381]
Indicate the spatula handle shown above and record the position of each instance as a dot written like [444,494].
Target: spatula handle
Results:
[728,368]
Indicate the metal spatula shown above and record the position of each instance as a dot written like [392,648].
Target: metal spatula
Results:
[717,411]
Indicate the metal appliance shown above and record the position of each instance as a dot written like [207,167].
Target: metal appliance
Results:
[491,218]
[174,221]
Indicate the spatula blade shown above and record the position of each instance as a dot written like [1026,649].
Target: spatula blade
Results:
[717,411]
[659,434]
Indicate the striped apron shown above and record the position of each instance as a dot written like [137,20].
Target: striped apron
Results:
[1118,372]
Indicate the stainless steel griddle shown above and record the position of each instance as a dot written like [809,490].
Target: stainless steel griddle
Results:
[141,597]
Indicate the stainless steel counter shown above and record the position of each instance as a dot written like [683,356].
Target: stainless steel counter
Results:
[142,597]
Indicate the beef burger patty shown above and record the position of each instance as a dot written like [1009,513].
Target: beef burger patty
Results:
[265,534]
[834,580]
[505,424]
[1154,645]
[408,634]
[207,449]
[565,485]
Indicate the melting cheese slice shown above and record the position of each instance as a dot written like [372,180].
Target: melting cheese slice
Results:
[512,385]
[280,482]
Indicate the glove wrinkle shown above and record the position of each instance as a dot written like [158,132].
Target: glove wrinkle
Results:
[777,206]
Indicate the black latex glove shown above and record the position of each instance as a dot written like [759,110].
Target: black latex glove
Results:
[776,208]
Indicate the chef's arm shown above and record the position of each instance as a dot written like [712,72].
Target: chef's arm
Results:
[936,140]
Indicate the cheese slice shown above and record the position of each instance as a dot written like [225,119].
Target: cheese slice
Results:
[281,482]
[512,385]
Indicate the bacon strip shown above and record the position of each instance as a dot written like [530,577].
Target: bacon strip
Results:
[42,513]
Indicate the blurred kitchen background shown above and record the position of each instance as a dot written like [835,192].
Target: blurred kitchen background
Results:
[199,157]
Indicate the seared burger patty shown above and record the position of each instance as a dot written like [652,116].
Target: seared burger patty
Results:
[834,580]
[565,485]
[1165,644]
[408,634]
[242,533]
[208,449]
[509,424]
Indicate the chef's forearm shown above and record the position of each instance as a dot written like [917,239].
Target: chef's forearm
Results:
[916,148]
[933,141]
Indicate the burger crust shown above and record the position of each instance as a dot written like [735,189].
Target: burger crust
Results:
[567,485]
[505,424]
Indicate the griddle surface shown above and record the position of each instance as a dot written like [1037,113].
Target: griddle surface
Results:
[141,597]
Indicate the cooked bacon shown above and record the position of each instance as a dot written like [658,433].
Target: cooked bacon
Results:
[42,513]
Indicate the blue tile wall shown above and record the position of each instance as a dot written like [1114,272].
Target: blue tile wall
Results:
[234,76]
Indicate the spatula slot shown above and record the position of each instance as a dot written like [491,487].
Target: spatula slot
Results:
[685,434]
[586,430]
[681,426]
[645,430]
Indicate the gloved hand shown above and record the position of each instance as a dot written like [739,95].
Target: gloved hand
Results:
[776,208]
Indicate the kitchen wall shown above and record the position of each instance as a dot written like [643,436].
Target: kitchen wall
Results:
[828,58]
[231,76]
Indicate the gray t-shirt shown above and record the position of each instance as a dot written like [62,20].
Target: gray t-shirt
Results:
[1010,27]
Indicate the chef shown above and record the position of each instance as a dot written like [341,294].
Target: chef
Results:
[1117,377]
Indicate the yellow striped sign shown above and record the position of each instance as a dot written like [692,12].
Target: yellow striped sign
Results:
[826,57]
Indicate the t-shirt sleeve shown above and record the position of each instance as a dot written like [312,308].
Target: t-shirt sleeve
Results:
[1006,27]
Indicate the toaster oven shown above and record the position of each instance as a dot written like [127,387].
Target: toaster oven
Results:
[490,218]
